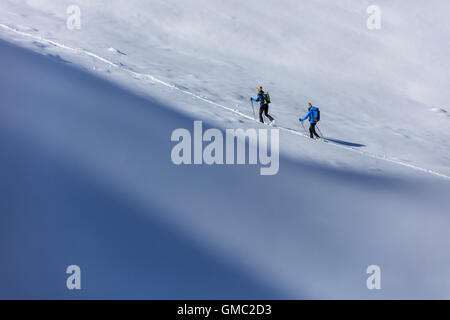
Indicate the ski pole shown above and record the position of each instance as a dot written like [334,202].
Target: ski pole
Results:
[304,127]
[253,108]
[319,131]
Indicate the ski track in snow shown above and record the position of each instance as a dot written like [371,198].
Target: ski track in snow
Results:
[205,99]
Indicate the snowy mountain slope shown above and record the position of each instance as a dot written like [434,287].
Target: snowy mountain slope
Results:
[276,238]
[88,181]
[370,91]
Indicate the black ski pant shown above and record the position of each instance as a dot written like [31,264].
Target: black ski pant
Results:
[264,109]
[312,130]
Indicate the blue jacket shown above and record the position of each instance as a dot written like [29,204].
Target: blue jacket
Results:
[260,98]
[310,115]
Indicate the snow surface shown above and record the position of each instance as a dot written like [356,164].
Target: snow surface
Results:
[86,137]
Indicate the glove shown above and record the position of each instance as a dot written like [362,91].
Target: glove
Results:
[300,119]
[251,99]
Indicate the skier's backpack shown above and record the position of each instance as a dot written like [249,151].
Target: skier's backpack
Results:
[266,98]
[315,114]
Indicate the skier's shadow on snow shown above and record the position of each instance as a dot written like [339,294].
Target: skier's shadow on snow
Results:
[345,143]
[341,142]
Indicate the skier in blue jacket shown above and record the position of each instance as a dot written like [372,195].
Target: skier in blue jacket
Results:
[314,116]
[264,105]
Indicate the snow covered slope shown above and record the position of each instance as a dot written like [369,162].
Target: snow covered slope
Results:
[88,170]
[382,89]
